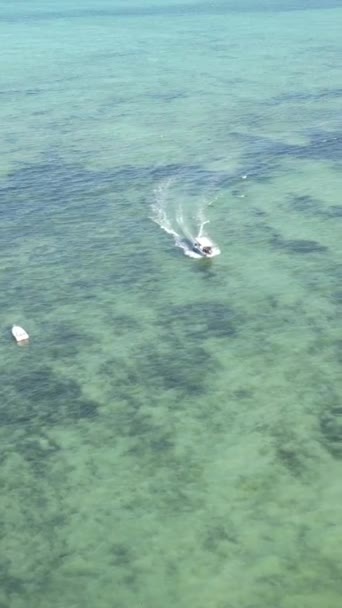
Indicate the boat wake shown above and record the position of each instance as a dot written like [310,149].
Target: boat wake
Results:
[174,217]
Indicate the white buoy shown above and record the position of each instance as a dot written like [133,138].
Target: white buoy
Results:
[19,334]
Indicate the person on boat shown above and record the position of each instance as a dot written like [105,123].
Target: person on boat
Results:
[207,249]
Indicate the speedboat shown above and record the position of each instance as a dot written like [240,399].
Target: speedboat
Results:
[205,247]
[19,334]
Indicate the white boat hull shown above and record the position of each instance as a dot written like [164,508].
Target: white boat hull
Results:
[202,243]
[216,251]
[19,334]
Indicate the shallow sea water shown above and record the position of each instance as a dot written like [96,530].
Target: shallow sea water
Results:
[172,435]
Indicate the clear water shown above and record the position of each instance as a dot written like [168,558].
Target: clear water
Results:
[172,435]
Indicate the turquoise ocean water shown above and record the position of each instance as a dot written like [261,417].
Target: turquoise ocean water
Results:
[172,435]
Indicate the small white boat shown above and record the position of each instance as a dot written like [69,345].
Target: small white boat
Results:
[19,334]
[205,247]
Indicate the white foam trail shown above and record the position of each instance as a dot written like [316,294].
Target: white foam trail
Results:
[202,224]
[171,218]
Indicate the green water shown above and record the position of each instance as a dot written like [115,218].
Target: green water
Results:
[172,434]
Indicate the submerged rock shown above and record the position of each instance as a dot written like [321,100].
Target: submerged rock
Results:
[335,211]
[298,245]
[331,429]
